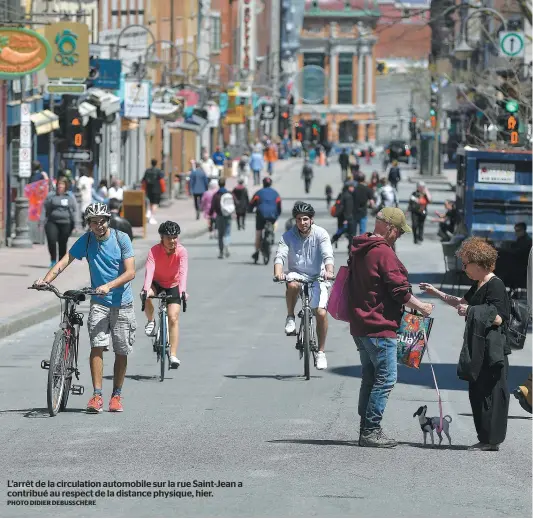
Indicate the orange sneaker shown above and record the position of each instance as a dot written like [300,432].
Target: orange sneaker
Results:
[115,404]
[95,405]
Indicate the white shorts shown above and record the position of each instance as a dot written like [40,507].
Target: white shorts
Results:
[319,291]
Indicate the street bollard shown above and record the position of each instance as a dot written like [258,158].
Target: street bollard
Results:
[22,231]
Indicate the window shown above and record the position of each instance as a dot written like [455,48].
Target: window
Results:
[345,79]
[216,34]
[314,81]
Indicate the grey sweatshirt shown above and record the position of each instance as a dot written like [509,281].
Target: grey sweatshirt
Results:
[60,209]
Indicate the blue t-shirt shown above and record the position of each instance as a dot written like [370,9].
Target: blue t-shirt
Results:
[106,263]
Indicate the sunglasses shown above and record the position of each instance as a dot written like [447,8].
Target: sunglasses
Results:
[100,222]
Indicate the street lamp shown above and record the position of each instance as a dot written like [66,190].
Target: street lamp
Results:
[463,51]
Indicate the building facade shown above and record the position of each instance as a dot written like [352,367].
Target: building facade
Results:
[338,37]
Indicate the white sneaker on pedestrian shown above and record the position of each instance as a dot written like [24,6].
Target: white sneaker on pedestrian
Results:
[174,362]
[290,325]
[152,221]
[149,329]
[321,361]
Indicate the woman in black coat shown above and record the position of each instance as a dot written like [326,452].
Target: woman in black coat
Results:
[483,359]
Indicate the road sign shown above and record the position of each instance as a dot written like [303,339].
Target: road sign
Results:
[78,155]
[73,89]
[512,44]
[25,162]
[25,135]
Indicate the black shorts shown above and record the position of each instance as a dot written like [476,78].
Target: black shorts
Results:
[153,197]
[174,292]
[260,221]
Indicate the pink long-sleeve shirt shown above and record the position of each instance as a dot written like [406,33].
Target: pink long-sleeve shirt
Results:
[166,270]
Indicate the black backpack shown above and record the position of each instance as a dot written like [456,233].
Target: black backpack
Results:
[518,322]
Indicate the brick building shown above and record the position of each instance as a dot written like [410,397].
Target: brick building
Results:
[338,36]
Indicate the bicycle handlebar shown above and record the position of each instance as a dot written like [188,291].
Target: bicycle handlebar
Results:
[163,297]
[320,279]
[51,288]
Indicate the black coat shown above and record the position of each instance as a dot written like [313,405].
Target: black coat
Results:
[483,343]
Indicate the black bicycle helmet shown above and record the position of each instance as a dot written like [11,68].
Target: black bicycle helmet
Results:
[303,208]
[267,182]
[169,228]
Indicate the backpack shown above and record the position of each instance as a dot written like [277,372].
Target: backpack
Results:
[518,323]
[336,208]
[227,204]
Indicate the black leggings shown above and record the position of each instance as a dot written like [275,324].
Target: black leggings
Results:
[241,220]
[57,234]
[197,200]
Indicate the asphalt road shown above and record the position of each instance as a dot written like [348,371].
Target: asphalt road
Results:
[238,411]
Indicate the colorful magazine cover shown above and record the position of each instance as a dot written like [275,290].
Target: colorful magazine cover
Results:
[411,344]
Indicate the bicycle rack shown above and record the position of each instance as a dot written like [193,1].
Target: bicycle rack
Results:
[45,364]
[77,390]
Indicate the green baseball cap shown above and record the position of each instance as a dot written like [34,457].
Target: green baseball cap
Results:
[395,217]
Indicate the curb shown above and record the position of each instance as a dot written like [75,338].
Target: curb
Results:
[16,324]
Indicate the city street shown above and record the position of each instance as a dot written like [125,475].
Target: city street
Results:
[238,409]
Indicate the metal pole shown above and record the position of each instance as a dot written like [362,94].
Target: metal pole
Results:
[51,146]
[436,143]
[275,48]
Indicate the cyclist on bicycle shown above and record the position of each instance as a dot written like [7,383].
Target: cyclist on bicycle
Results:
[307,251]
[111,263]
[268,204]
[166,271]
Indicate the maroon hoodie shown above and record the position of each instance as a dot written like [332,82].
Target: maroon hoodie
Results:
[379,287]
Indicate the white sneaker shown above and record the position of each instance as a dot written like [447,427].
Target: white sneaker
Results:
[174,362]
[152,221]
[321,361]
[149,329]
[290,325]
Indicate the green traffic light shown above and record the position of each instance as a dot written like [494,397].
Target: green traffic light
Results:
[432,112]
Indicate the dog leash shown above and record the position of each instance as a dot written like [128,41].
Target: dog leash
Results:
[439,429]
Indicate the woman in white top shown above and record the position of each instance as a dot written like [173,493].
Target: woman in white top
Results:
[116,190]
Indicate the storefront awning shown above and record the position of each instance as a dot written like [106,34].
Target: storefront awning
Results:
[44,122]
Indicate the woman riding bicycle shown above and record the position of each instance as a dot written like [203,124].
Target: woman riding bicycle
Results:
[166,271]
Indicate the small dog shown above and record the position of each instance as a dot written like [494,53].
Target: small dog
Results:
[428,424]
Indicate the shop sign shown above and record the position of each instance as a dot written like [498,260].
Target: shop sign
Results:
[22,52]
[248,19]
[137,99]
[70,50]
[166,103]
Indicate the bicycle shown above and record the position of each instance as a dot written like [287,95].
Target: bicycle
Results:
[267,240]
[161,342]
[63,361]
[306,341]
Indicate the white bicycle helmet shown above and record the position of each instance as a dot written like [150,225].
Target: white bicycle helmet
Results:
[95,210]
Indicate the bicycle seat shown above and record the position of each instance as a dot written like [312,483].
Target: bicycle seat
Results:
[76,295]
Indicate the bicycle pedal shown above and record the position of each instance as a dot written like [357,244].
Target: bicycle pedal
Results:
[45,364]
[291,334]
[77,390]
[301,314]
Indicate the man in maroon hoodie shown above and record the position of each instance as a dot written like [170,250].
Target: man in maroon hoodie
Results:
[379,290]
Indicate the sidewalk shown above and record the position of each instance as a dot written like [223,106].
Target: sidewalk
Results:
[19,268]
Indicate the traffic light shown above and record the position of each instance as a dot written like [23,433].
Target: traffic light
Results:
[433,103]
[412,127]
[511,128]
[76,133]
[291,22]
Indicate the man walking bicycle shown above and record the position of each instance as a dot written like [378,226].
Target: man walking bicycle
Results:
[111,263]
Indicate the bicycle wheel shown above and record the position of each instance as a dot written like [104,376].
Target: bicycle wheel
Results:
[163,336]
[56,374]
[69,373]
[306,345]
[266,250]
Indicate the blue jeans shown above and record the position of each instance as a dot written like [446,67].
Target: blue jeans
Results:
[359,226]
[224,231]
[379,364]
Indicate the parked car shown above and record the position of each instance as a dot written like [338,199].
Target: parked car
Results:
[398,150]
